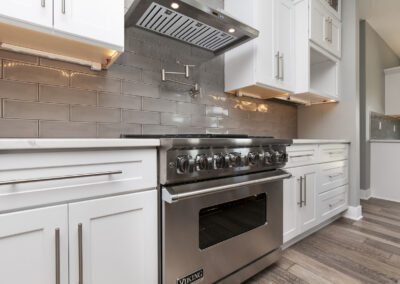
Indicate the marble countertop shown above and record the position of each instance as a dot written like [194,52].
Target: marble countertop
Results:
[31,144]
[320,141]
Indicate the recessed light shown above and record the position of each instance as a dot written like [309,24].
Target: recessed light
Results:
[174,5]
[231,30]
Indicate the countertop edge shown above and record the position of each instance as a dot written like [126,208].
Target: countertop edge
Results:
[42,144]
[384,141]
[320,141]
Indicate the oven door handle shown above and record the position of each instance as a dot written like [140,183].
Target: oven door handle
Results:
[169,197]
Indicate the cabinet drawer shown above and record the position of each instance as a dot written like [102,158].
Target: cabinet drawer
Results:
[333,175]
[333,202]
[46,177]
[334,152]
[301,155]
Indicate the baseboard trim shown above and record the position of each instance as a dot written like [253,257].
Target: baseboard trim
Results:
[353,213]
[365,194]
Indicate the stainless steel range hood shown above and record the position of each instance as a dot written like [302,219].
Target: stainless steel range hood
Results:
[190,21]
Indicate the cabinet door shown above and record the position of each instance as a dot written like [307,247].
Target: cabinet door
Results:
[114,240]
[38,12]
[34,246]
[309,210]
[284,43]
[101,21]
[291,206]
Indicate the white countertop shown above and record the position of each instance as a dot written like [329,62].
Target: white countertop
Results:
[320,141]
[384,141]
[26,144]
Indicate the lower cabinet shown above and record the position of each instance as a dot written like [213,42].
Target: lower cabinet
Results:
[300,202]
[107,240]
[34,246]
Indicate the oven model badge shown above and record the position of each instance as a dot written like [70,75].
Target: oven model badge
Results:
[195,276]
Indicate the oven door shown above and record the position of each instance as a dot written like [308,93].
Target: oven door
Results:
[212,229]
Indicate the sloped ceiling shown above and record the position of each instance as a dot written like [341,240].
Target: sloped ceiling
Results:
[384,17]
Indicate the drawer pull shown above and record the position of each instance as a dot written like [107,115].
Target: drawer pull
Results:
[301,156]
[57,247]
[18,181]
[336,153]
[336,175]
[43,3]
[333,204]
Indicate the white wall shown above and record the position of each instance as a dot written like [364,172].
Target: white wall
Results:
[341,121]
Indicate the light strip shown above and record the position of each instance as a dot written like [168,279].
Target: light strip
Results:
[93,65]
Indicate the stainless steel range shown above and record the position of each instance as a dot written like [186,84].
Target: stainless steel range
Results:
[221,211]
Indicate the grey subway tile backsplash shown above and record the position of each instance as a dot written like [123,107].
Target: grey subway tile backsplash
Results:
[47,98]
[384,127]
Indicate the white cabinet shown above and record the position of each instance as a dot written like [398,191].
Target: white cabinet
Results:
[114,240]
[392,93]
[34,246]
[97,20]
[325,28]
[37,12]
[300,208]
[262,67]
[318,188]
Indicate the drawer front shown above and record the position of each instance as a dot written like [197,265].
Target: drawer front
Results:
[333,175]
[42,178]
[334,152]
[332,202]
[302,155]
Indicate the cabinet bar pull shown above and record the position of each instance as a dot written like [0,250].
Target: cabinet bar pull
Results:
[301,192]
[326,29]
[80,253]
[281,67]
[305,191]
[330,30]
[57,243]
[335,175]
[43,3]
[63,6]
[17,181]
[300,156]
[277,71]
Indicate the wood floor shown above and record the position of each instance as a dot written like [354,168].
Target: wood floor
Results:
[366,251]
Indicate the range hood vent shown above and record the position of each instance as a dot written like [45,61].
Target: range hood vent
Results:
[191,22]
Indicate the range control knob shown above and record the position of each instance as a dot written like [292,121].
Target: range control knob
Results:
[253,158]
[219,161]
[202,162]
[278,157]
[267,158]
[235,159]
[184,164]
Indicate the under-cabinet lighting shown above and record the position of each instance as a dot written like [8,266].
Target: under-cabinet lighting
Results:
[93,65]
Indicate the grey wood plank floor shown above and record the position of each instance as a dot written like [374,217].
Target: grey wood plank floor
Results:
[366,251]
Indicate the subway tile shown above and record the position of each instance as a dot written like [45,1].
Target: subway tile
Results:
[100,83]
[151,77]
[18,90]
[191,130]
[189,108]
[216,111]
[204,121]
[36,74]
[217,131]
[114,130]
[124,72]
[140,89]
[160,105]
[66,129]
[35,110]
[91,113]
[140,61]
[119,101]
[159,129]
[175,95]
[141,117]
[226,122]
[67,95]
[18,128]
[175,119]
[18,56]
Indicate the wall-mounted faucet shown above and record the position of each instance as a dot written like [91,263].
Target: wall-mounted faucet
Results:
[194,91]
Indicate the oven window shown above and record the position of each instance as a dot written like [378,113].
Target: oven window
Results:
[224,221]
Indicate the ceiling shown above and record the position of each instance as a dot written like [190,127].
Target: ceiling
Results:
[384,17]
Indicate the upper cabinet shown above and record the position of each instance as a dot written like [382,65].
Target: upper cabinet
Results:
[38,12]
[263,67]
[392,94]
[97,20]
[86,32]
